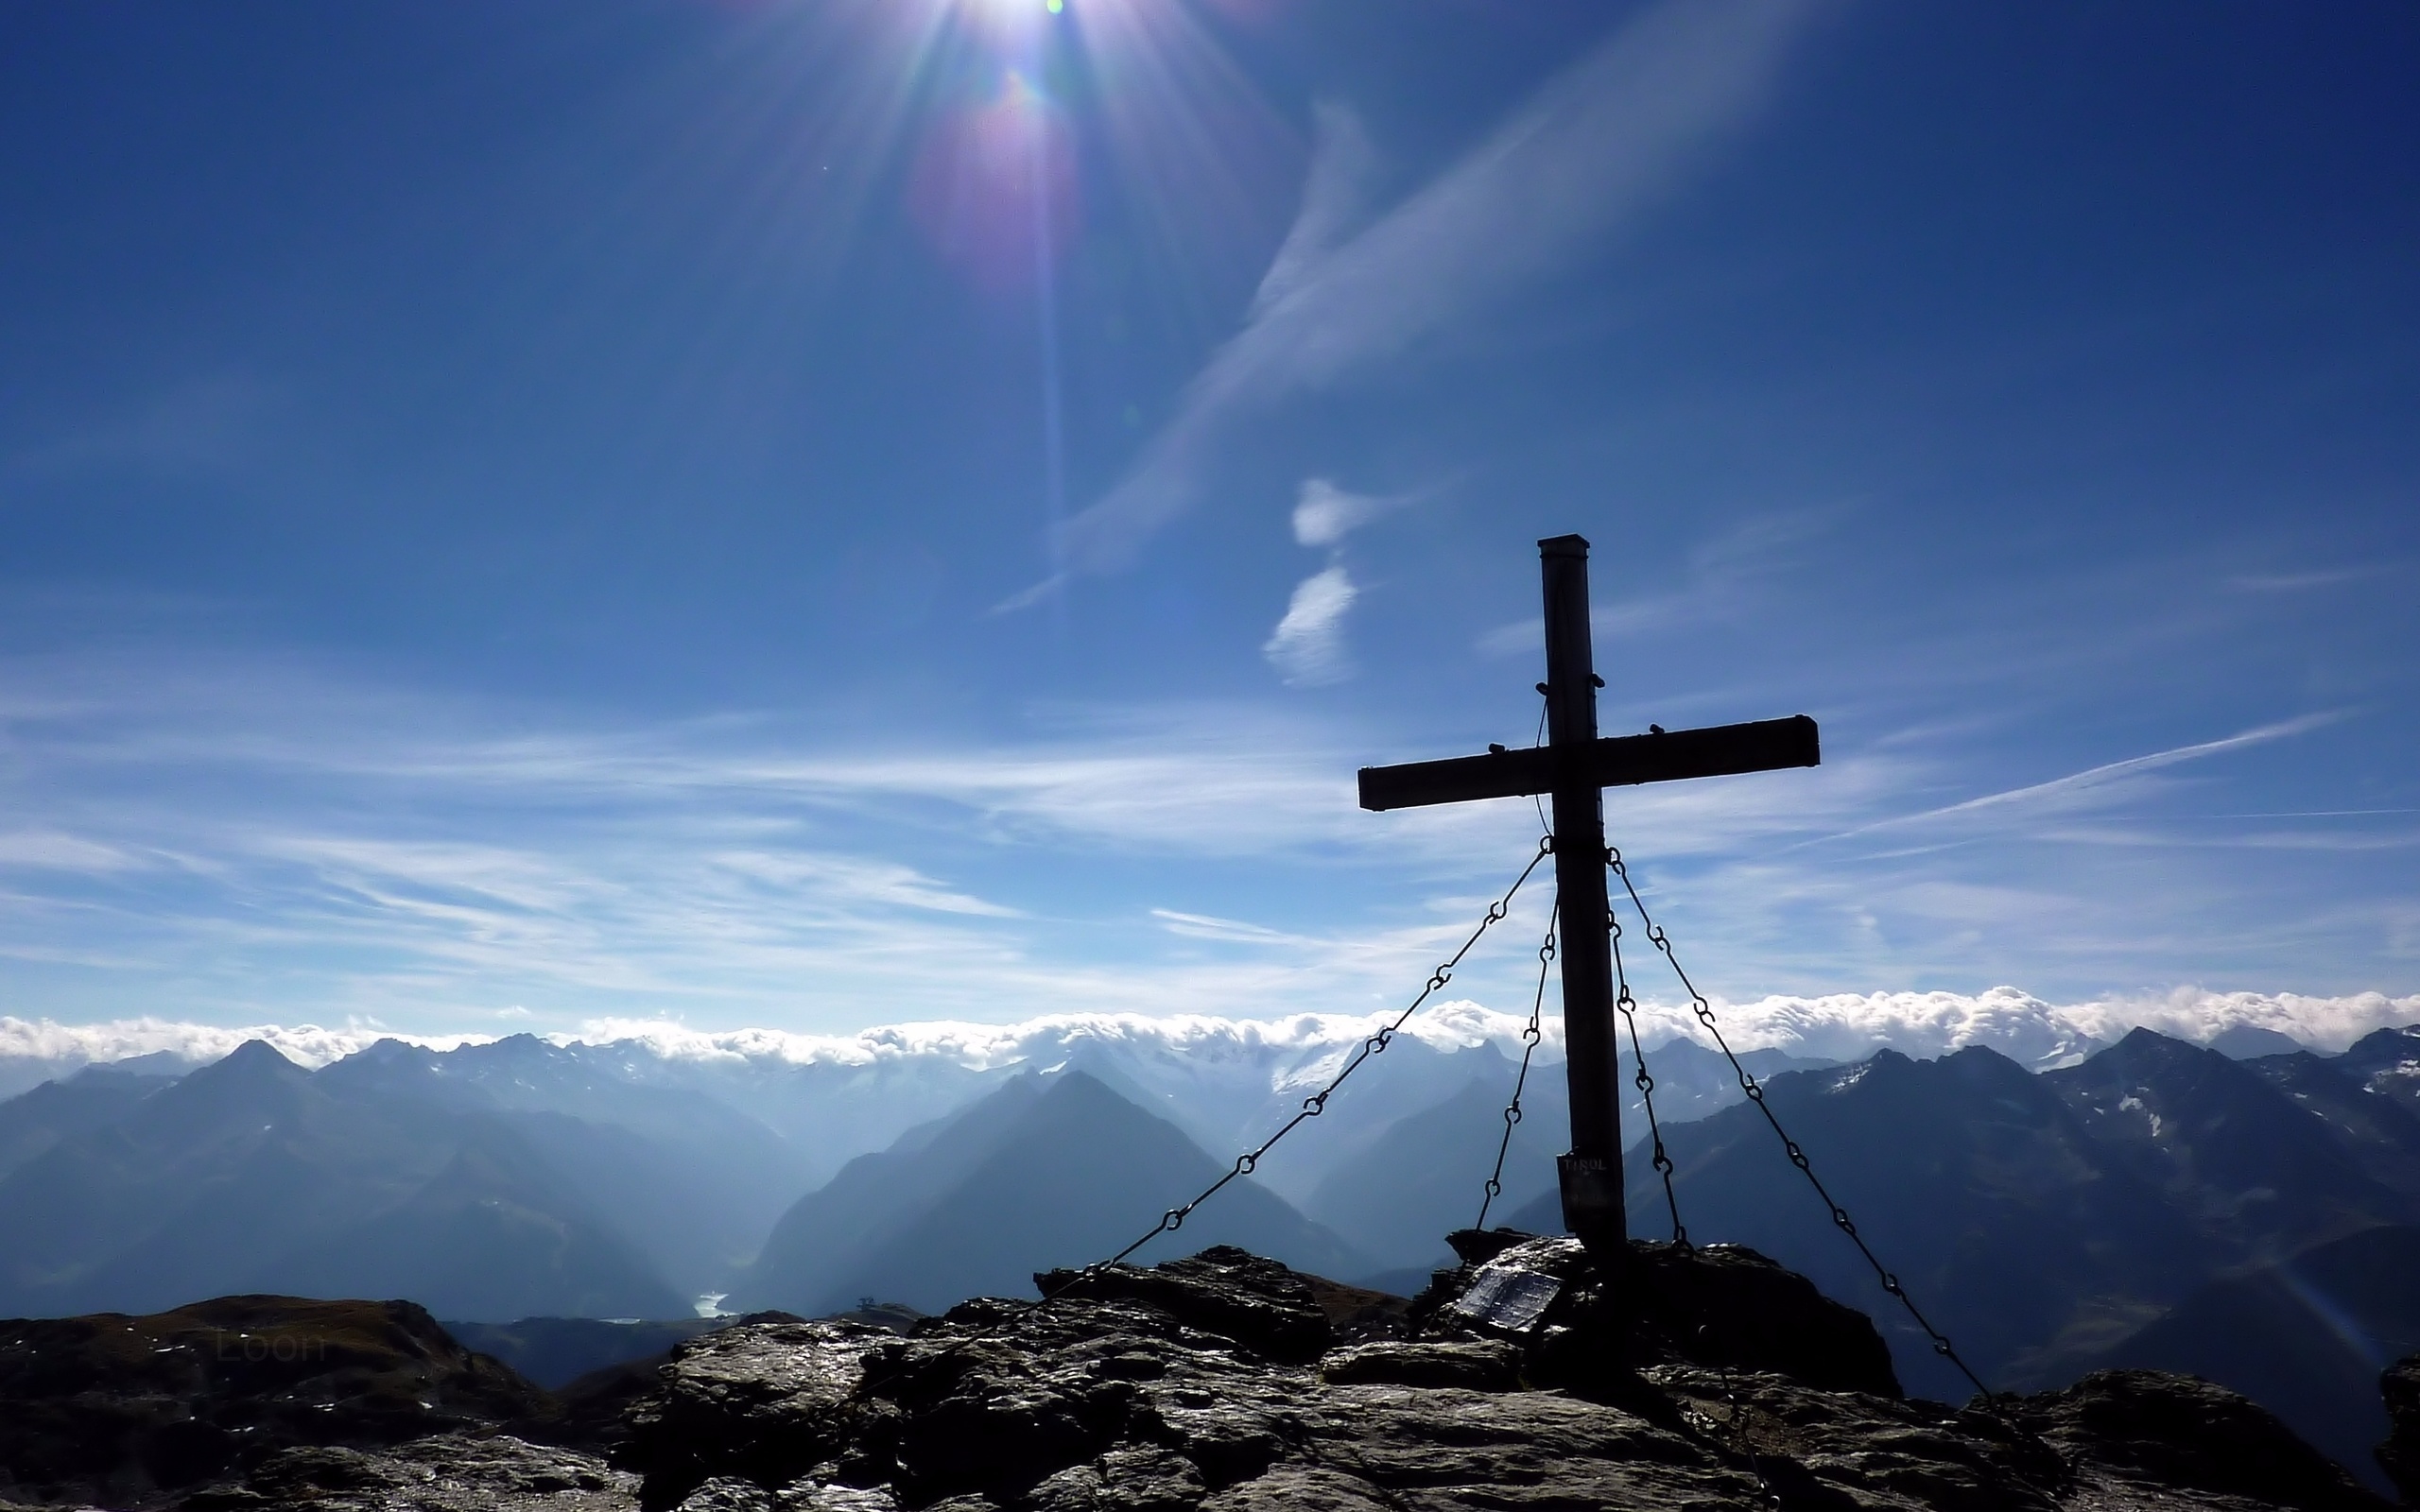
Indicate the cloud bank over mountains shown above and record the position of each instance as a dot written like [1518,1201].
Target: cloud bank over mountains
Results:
[1303,1048]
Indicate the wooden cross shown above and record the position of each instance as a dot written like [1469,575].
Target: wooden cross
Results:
[1576,767]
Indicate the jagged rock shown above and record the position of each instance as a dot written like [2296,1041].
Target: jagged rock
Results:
[1234,1292]
[729,1493]
[815,1497]
[1187,1387]
[1720,1305]
[1357,1313]
[1727,1305]
[2147,1429]
[1141,1478]
[766,1403]
[1300,1488]
[1480,1365]
[449,1472]
[1867,1447]
[124,1411]
[2399,1456]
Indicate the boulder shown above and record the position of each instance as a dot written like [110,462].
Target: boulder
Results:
[450,1472]
[764,1402]
[2151,1430]
[1233,1293]
[1720,1305]
[1483,1364]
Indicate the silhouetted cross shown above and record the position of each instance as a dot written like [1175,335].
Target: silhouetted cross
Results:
[1576,767]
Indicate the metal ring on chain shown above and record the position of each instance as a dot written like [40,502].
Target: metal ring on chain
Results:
[1530,1038]
[1628,1006]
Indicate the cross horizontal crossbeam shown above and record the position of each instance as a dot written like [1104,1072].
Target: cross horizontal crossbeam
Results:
[1621,761]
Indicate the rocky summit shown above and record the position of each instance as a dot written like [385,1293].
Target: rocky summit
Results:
[1527,1377]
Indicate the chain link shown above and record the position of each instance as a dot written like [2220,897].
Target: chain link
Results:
[1316,1104]
[1645,1083]
[1245,1164]
[1530,1038]
[1755,1092]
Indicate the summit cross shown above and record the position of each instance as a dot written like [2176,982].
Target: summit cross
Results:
[1575,767]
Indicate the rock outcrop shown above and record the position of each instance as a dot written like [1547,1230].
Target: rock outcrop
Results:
[449,1472]
[2399,1456]
[1221,1383]
[1528,1378]
[125,1411]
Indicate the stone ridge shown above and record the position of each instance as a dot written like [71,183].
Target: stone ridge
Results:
[128,1410]
[1525,1379]
[1191,1387]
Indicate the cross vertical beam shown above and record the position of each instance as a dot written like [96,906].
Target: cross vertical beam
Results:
[1576,767]
[1591,1175]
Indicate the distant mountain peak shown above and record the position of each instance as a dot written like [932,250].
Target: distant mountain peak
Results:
[396,1051]
[255,1065]
[2140,1041]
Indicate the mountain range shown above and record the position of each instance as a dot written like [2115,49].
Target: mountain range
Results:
[252,1176]
[2053,1223]
[1051,1170]
[2049,1221]
[689,1162]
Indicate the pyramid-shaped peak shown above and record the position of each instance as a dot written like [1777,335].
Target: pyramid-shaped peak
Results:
[2142,1041]
[253,1080]
[252,1059]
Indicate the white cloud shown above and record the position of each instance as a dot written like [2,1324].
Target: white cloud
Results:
[1586,153]
[366,855]
[1841,1026]
[2320,577]
[50,850]
[1727,577]
[195,1044]
[1335,202]
[1307,646]
[1325,514]
[2097,786]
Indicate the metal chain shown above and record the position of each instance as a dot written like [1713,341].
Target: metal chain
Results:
[1755,1091]
[1312,1107]
[1530,1038]
[1316,1103]
[1646,1084]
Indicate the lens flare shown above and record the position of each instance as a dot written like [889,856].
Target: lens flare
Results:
[992,182]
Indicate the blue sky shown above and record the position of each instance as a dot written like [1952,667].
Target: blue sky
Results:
[820,514]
